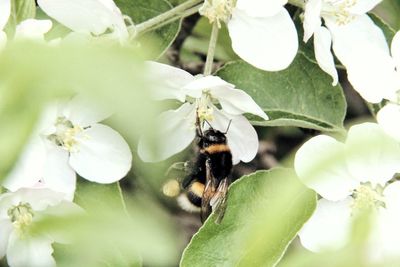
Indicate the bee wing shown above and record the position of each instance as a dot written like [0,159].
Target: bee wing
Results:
[208,193]
[218,201]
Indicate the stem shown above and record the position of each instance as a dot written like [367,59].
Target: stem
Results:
[182,15]
[165,16]
[211,50]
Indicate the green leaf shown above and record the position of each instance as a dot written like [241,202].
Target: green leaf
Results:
[300,96]
[156,42]
[265,211]
[389,10]
[22,10]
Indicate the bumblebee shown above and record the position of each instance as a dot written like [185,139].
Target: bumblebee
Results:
[206,186]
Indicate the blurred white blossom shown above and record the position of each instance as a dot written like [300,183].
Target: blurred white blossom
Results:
[262,32]
[19,211]
[358,43]
[352,178]
[177,127]
[89,17]
[69,139]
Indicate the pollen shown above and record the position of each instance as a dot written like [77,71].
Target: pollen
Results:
[21,217]
[340,10]
[367,198]
[66,134]
[171,188]
[218,10]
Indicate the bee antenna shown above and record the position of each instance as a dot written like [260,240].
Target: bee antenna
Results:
[229,125]
[209,124]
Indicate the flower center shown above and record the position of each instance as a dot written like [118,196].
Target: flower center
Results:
[21,217]
[205,111]
[65,135]
[340,10]
[367,198]
[218,10]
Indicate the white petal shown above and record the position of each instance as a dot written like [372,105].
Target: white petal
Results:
[312,18]
[323,54]
[260,8]
[385,234]
[361,46]
[103,156]
[29,167]
[395,49]
[348,39]
[87,16]
[329,227]
[176,131]
[83,112]
[169,81]
[5,11]
[363,6]
[267,43]
[241,135]
[371,154]
[58,174]
[388,118]
[39,198]
[237,102]
[5,230]
[33,252]
[33,29]
[320,165]
[392,197]
[204,83]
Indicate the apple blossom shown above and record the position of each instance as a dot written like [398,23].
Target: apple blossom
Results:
[262,32]
[18,212]
[69,139]
[350,177]
[88,17]
[177,127]
[357,42]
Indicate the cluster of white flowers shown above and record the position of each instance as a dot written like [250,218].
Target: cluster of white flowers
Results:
[69,139]
[352,178]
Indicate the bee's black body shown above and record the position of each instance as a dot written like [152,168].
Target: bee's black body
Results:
[209,177]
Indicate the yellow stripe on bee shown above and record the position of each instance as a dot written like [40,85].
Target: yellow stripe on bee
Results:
[197,189]
[216,148]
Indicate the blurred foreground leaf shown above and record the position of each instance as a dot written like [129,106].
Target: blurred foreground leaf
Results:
[110,234]
[32,75]
[142,10]
[265,211]
[301,95]
[21,10]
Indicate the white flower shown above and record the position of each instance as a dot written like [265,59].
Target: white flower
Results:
[177,127]
[88,17]
[18,212]
[262,31]
[388,118]
[357,42]
[69,139]
[28,29]
[351,177]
